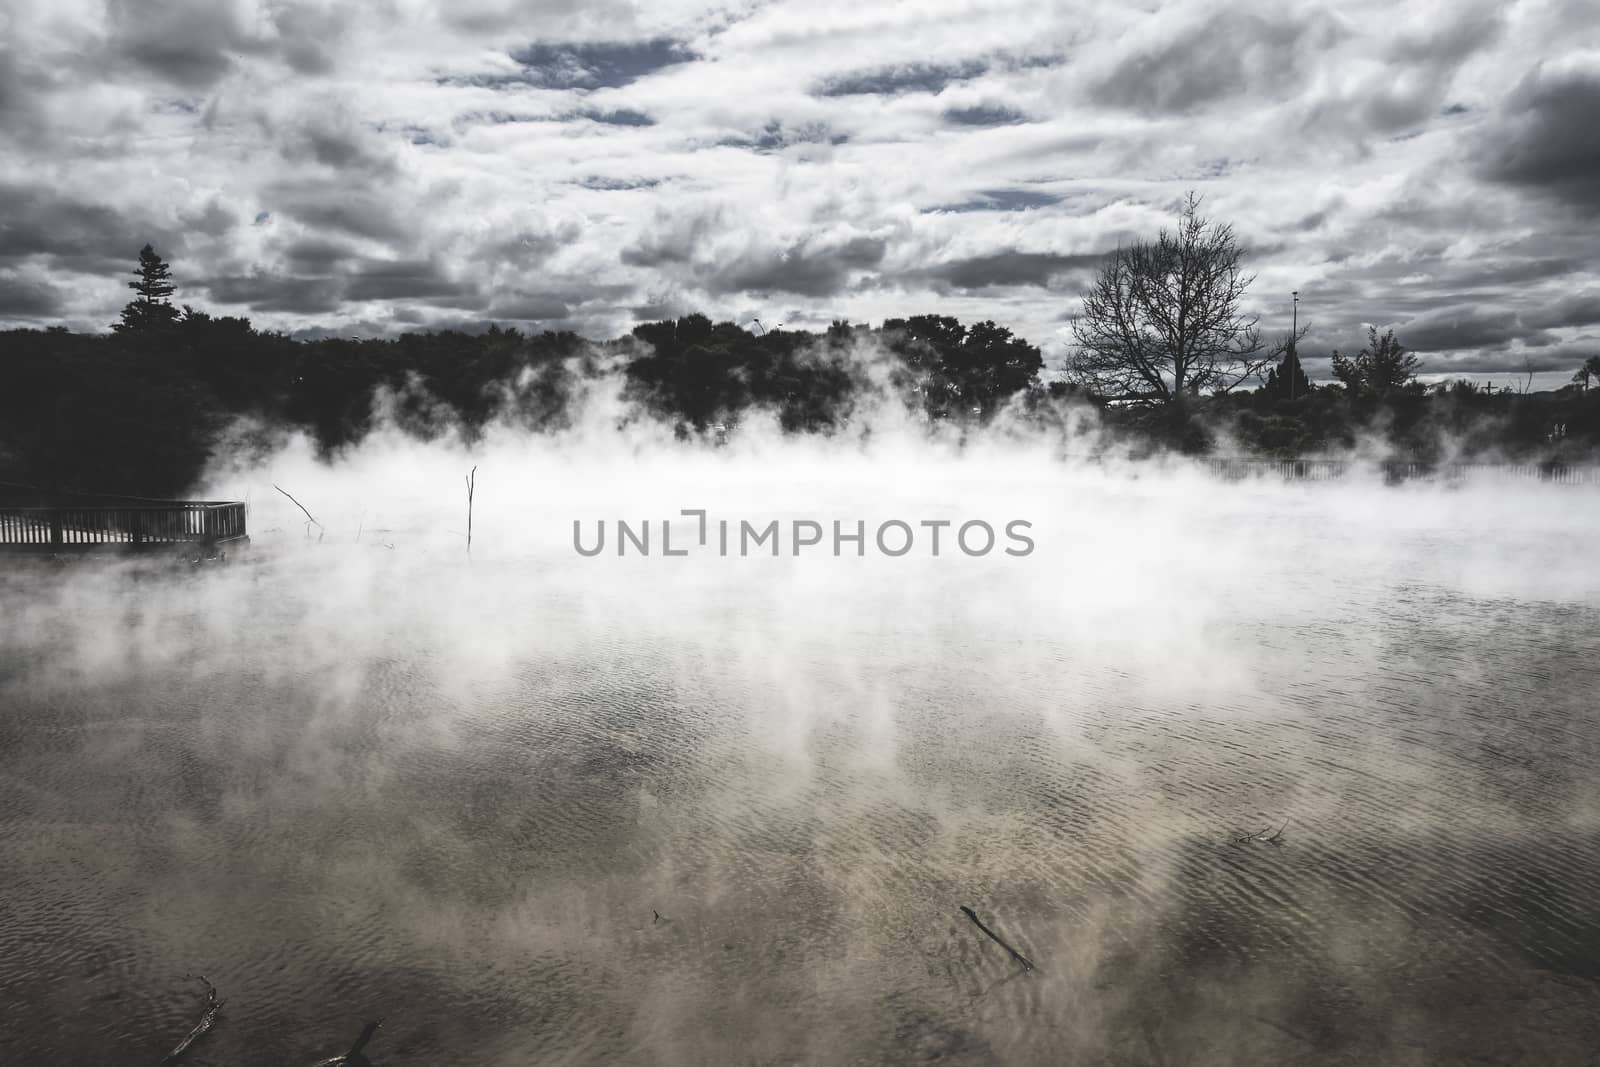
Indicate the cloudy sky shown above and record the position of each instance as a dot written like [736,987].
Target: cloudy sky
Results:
[367,168]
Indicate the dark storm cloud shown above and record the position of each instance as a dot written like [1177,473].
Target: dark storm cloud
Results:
[1012,269]
[71,234]
[1544,138]
[803,268]
[984,115]
[1003,200]
[316,255]
[1455,328]
[24,83]
[339,207]
[27,298]
[1224,56]
[412,279]
[528,307]
[1510,269]
[1519,360]
[597,64]
[1576,309]
[892,81]
[275,292]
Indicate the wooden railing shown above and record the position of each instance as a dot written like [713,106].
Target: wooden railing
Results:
[78,527]
[1318,470]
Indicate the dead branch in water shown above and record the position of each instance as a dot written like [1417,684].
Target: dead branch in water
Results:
[472,482]
[1265,835]
[354,1058]
[213,1005]
[1027,964]
[321,529]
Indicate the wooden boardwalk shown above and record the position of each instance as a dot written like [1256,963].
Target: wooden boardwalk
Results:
[72,524]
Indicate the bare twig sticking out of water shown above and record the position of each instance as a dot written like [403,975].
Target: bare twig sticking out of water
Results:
[320,528]
[355,1057]
[1027,964]
[472,481]
[213,1005]
[1265,835]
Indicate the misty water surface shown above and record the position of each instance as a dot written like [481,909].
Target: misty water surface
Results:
[347,780]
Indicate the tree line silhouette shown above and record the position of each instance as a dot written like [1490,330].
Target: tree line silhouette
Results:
[1162,351]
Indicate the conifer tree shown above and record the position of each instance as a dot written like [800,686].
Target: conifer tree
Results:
[151,309]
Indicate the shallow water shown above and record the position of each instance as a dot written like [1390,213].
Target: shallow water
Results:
[346,782]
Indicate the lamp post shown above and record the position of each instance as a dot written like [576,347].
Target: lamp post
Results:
[1294,331]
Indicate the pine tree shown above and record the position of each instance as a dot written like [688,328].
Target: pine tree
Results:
[151,309]
[1287,381]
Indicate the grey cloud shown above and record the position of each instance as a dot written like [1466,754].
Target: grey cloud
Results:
[1012,268]
[776,136]
[329,136]
[1226,55]
[215,219]
[801,268]
[619,117]
[1544,138]
[606,184]
[984,115]
[187,42]
[308,34]
[597,64]
[1424,64]
[674,238]
[1003,200]
[908,78]
[340,207]
[1449,41]
[197,43]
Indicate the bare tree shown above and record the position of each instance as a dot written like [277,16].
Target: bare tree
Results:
[1163,320]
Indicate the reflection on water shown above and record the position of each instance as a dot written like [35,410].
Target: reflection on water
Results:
[533,815]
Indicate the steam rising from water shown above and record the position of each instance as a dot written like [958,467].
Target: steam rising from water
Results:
[367,776]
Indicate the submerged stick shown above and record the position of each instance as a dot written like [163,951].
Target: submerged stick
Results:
[354,1058]
[321,529]
[213,1005]
[1027,964]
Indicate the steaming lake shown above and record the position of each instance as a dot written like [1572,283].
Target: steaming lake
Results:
[346,781]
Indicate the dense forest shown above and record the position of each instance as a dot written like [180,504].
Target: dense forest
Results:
[142,410]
